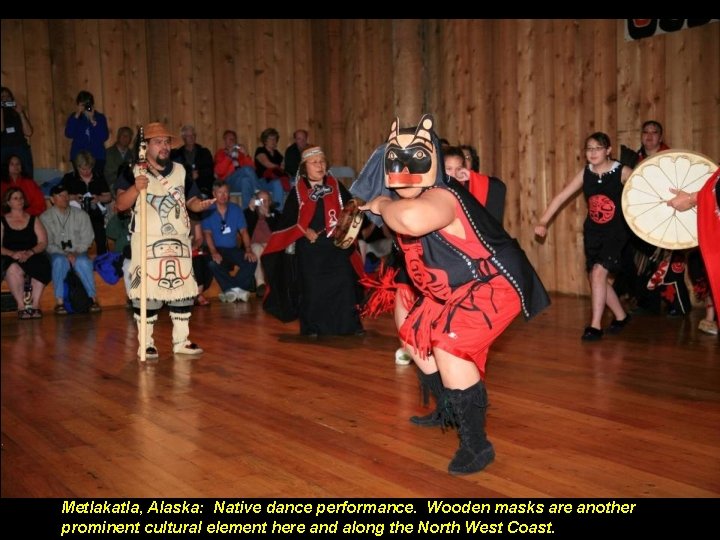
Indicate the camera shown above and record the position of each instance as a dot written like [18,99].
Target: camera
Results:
[66,245]
[8,104]
[86,203]
[88,106]
[258,202]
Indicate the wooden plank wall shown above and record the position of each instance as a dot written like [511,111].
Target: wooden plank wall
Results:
[525,93]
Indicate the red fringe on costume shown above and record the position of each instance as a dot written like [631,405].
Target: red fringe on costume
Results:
[382,296]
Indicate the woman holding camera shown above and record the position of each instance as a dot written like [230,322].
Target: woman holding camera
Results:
[88,130]
[89,190]
[16,128]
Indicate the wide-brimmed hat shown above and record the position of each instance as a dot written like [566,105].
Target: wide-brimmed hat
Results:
[157,129]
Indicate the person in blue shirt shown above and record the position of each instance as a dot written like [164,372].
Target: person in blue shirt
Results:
[221,227]
[88,130]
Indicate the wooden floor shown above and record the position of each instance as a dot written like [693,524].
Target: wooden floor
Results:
[265,413]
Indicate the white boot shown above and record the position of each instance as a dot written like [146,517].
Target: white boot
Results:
[150,351]
[180,334]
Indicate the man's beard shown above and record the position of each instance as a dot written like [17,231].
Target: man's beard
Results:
[162,161]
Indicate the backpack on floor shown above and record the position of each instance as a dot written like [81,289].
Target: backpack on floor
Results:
[75,297]
[109,266]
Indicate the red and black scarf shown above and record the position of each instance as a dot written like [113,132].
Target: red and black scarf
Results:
[307,204]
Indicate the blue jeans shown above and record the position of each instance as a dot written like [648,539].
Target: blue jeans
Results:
[245,181]
[232,257]
[83,267]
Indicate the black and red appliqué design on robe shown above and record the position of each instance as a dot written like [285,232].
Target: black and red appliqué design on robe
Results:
[669,279]
[479,283]
[490,192]
[281,296]
[601,209]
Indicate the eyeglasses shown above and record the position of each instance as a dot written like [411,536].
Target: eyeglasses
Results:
[592,149]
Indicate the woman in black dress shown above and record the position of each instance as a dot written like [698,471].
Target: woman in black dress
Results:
[23,245]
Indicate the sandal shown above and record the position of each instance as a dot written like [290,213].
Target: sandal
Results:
[60,310]
[25,314]
[201,301]
[36,313]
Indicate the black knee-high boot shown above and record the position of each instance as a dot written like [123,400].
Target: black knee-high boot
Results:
[430,384]
[468,410]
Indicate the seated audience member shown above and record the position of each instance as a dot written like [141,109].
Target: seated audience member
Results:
[201,269]
[70,234]
[23,245]
[234,166]
[262,217]
[222,224]
[89,191]
[196,159]
[294,151]
[117,155]
[268,167]
[13,175]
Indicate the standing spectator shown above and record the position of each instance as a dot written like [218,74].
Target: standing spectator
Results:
[23,245]
[196,159]
[117,155]
[89,191]
[13,175]
[88,130]
[169,260]
[16,128]
[70,234]
[221,227]
[294,151]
